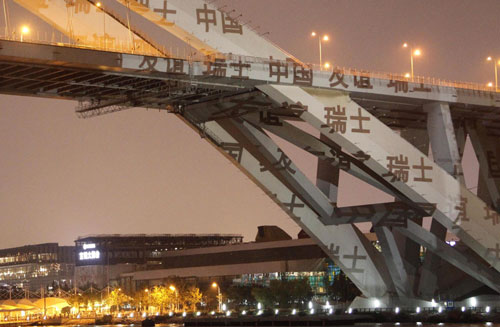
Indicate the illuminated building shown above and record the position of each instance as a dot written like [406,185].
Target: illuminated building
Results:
[35,266]
[100,259]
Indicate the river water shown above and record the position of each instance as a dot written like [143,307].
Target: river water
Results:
[359,325]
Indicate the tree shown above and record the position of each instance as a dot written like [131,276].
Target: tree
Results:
[240,295]
[117,298]
[343,289]
[191,297]
[284,292]
[300,290]
[263,295]
[162,297]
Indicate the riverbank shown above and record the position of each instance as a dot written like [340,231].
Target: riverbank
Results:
[302,319]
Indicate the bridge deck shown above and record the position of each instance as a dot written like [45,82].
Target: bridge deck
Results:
[110,79]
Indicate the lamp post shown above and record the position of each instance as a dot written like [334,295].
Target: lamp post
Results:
[495,63]
[172,287]
[147,292]
[416,53]
[219,295]
[320,40]
[99,5]
[25,30]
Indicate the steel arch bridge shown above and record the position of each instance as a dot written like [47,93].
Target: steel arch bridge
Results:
[236,88]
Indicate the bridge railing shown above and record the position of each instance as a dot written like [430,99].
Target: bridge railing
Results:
[146,49]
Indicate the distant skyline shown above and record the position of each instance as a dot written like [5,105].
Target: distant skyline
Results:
[144,171]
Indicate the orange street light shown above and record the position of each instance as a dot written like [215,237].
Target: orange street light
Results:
[415,53]
[495,63]
[25,30]
[324,38]
[98,4]
[326,65]
[172,287]
[219,296]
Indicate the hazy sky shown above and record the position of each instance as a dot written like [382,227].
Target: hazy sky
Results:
[141,171]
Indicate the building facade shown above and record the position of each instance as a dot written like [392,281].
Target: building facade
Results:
[249,264]
[33,267]
[101,259]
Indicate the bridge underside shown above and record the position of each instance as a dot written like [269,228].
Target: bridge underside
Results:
[382,139]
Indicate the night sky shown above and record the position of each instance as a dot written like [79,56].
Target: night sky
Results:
[143,171]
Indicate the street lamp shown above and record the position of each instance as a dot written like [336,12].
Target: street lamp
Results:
[172,287]
[25,30]
[219,296]
[320,40]
[147,292]
[99,6]
[415,53]
[495,63]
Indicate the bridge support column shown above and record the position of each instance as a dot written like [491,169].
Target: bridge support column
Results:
[488,155]
[446,154]
[410,249]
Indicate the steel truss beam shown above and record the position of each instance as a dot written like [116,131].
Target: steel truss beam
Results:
[256,154]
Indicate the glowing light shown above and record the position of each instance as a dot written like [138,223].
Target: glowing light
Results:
[396,310]
[170,313]
[326,65]
[488,309]
[489,59]
[276,311]
[440,309]
[172,287]
[311,311]
[325,38]
[212,313]
[184,314]
[198,313]
[313,34]
[417,310]
[463,309]
[310,305]
[25,29]
[473,302]
[259,312]
[349,311]
[228,313]
[330,311]
[294,311]
[407,75]
[98,4]
[243,312]
[490,84]
[417,52]
[405,45]
[376,303]
[224,307]
[214,284]
[259,305]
